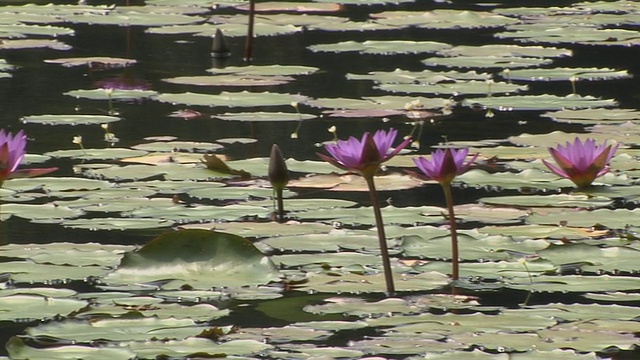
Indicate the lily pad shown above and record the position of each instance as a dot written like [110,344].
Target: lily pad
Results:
[539,102]
[202,259]
[32,307]
[72,119]
[111,93]
[264,116]
[237,99]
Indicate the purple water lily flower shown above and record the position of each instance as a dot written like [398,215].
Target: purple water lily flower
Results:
[12,151]
[581,162]
[366,155]
[444,165]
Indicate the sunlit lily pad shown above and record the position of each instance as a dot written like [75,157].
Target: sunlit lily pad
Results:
[229,30]
[455,88]
[119,329]
[613,219]
[171,146]
[539,102]
[122,16]
[594,116]
[560,34]
[29,272]
[68,253]
[264,116]
[482,249]
[508,51]
[237,99]
[566,74]
[399,76]
[380,47]
[44,213]
[280,6]
[183,214]
[356,284]
[230,80]
[89,61]
[117,224]
[33,44]
[579,340]
[595,259]
[554,200]
[265,70]
[443,19]
[115,94]
[51,184]
[108,153]
[577,283]
[613,297]
[486,62]
[73,119]
[152,307]
[32,307]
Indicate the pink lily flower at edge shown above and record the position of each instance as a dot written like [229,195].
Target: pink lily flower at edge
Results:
[12,151]
[581,162]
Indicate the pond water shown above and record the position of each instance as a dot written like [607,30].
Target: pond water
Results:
[572,71]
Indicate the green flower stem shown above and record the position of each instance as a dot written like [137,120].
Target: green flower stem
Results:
[280,205]
[455,273]
[384,252]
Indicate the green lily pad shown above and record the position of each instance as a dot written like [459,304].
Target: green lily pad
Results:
[444,19]
[594,116]
[594,259]
[72,120]
[566,74]
[229,30]
[264,229]
[119,329]
[399,76]
[539,102]
[264,116]
[613,219]
[507,51]
[202,259]
[265,70]
[118,224]
[88,61]
[229,99]
[382,47]
[43,213]
[482,62]
[460,87]
[17,348]
[578,340]
[114,94]
[108,153]
[31,272]
[64,253]
[171,146]
[554,200]
[482,249]
[585,35]
[230,80]
[32,307]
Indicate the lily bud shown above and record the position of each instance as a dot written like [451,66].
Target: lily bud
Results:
[278,172]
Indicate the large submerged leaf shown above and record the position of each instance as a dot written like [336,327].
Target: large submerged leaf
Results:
[199,259]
